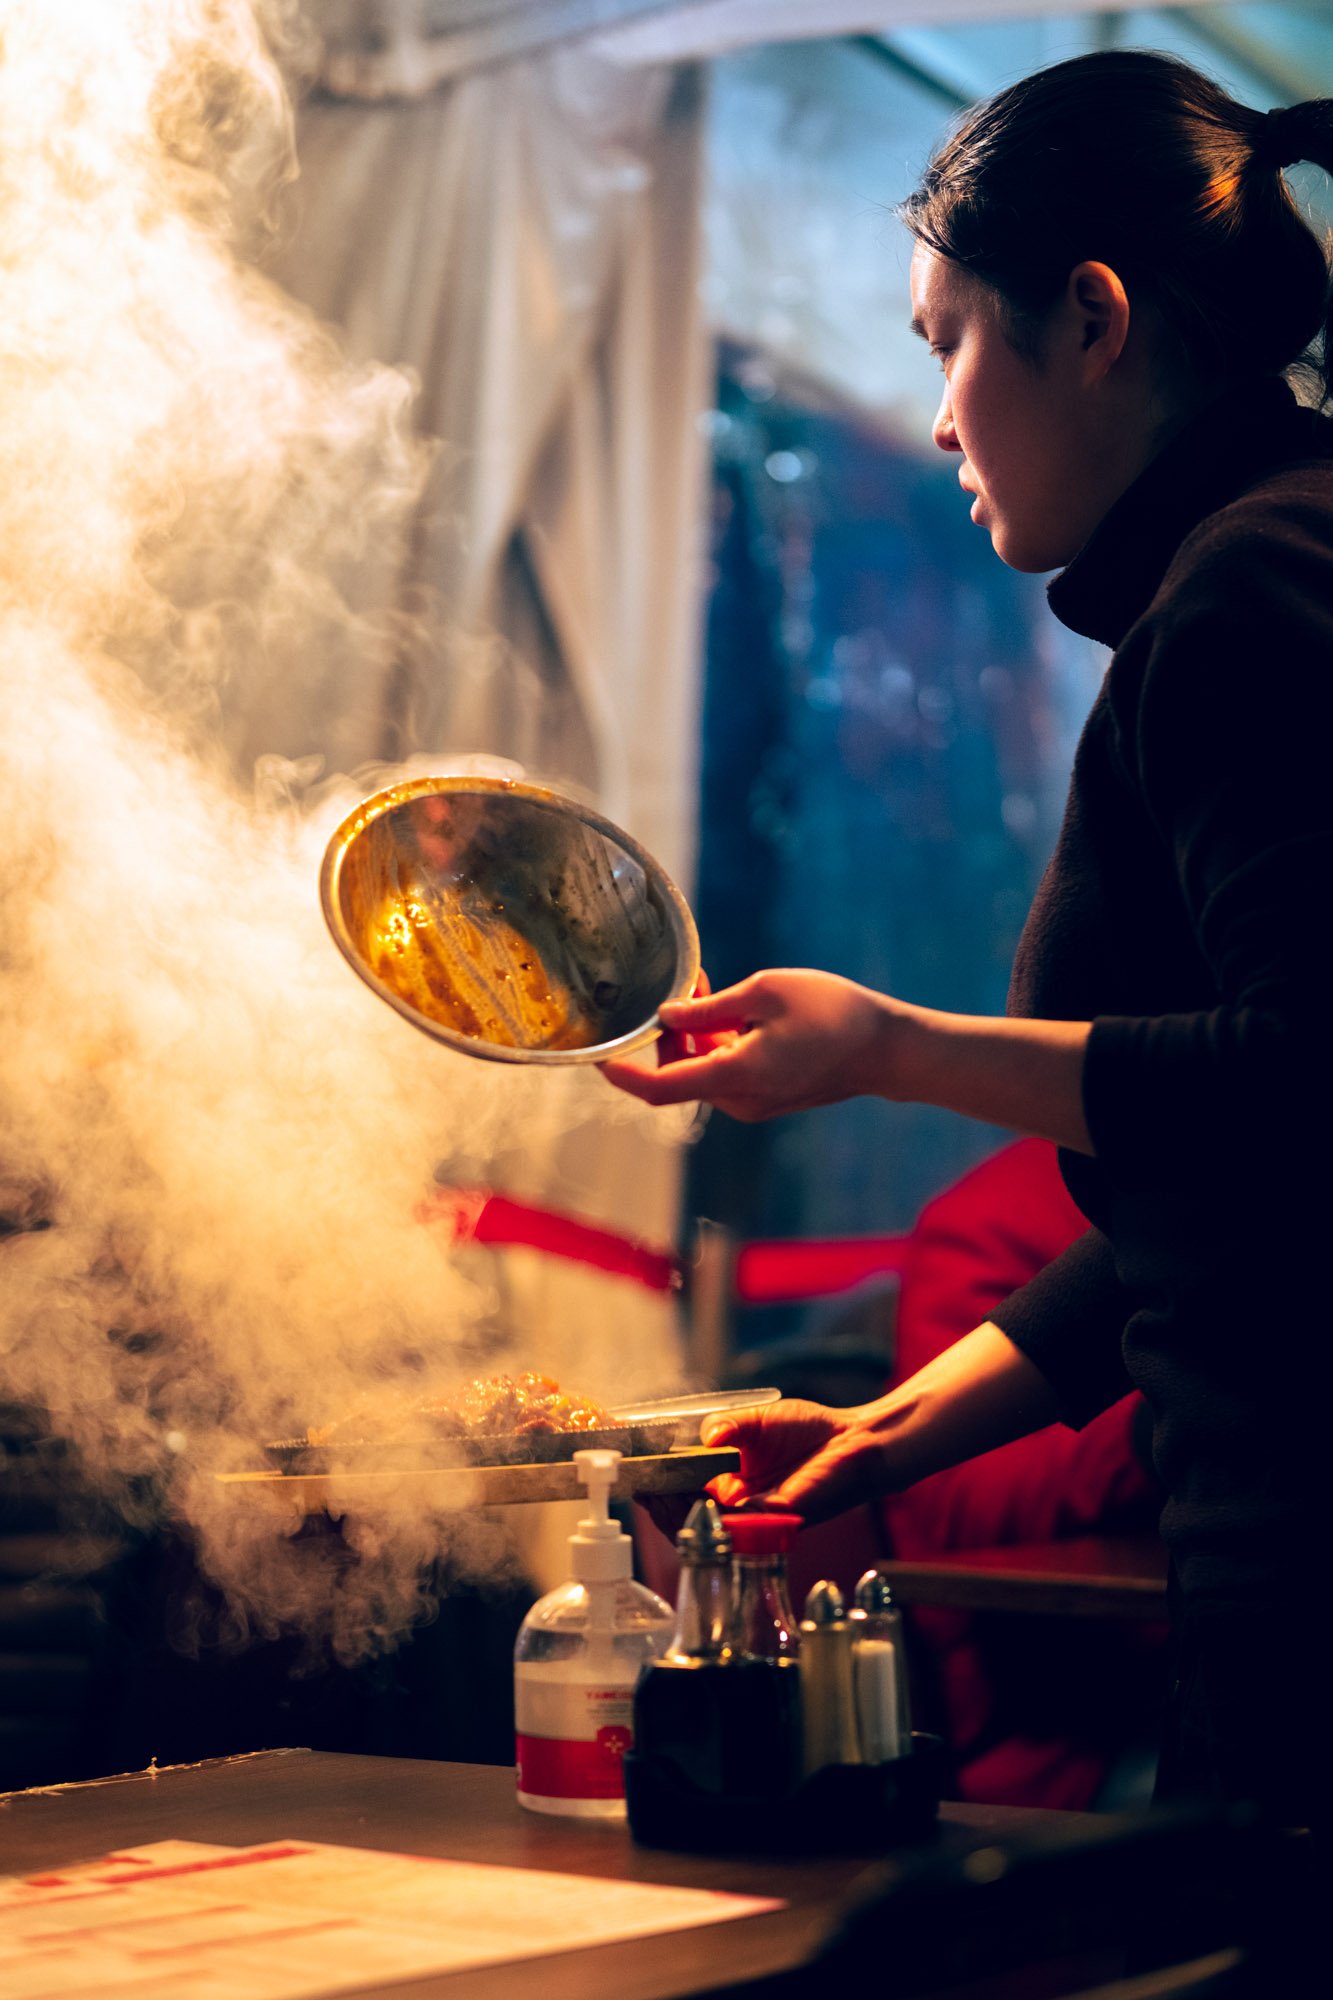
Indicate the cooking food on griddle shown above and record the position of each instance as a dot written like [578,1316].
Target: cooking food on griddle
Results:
[504,1403]
[494,1406]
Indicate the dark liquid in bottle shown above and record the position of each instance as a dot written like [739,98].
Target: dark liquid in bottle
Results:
[729,1730]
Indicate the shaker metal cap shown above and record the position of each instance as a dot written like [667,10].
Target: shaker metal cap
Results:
[704,1537]
[824,1605]
[873,1593]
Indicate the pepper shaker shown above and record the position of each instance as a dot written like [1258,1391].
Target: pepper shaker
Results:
[828,1694]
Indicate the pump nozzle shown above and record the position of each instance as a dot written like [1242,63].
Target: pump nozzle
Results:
[597,1470]
[601,1552]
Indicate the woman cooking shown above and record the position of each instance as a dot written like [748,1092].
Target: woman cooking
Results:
[1111,271]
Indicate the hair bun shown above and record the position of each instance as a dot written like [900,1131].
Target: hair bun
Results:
[1283,136]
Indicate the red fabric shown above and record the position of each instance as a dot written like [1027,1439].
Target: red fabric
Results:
[1033,1709]
[475,1215]
[780,1273]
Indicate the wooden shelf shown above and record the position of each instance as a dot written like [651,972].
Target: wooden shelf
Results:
[1088,1576]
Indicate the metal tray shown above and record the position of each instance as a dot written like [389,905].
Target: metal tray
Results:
[340,1490]
[425,1453]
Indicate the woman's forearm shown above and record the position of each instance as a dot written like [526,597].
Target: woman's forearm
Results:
[1024,1074]
[790,1039]
[980,1393]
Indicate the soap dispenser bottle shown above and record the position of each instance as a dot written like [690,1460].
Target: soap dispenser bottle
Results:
[576,1662]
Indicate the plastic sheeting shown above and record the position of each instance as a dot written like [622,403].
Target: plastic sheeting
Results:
[404,48]
[526,241]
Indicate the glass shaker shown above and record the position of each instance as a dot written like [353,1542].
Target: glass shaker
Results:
[765,1625]
[883,1701]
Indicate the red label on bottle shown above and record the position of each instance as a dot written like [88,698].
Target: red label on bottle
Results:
[555,1767]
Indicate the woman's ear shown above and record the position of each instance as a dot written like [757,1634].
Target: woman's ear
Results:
[1098,305]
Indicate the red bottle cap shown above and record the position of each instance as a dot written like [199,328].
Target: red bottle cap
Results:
[763,1534]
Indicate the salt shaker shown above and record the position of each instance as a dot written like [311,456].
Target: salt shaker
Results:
[879,1671]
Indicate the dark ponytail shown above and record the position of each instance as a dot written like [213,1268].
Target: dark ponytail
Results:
[1140,162]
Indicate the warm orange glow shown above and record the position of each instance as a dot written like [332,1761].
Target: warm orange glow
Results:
[483,979]
[230,1135]
[1220,194]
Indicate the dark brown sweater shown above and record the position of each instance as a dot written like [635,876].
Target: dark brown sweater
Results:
[1187,912]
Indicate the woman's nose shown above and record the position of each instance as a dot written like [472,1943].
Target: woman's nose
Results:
[942,431]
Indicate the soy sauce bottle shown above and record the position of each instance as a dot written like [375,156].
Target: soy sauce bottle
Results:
[714,1724]
[767,1639]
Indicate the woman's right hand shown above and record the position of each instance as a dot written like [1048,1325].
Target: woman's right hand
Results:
[802,1457]
[775,1043]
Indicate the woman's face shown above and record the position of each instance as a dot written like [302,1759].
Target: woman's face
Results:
[1037,440]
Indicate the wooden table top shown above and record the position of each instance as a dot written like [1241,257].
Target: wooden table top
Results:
[1088,1576]
[468,1812]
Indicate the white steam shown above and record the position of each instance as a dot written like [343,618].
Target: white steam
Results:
[228,1134]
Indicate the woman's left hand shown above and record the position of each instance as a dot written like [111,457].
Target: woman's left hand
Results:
[774,1043]
[800,1457]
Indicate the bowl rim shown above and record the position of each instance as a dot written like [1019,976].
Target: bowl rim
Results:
[547,798]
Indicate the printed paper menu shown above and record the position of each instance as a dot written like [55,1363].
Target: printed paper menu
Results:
[294,1919]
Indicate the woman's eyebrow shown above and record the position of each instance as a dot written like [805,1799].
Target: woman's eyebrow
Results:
[918,326]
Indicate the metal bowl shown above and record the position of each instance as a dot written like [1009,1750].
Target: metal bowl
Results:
[507,920]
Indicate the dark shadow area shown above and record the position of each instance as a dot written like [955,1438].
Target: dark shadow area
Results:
[96,1676]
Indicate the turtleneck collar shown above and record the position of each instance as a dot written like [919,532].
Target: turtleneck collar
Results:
[1116,573]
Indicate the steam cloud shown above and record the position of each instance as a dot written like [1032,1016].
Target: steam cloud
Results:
[198,496]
